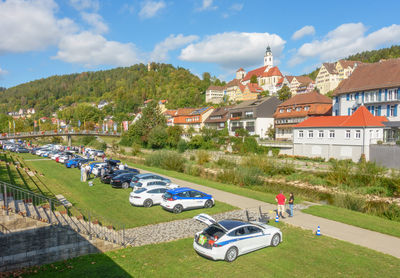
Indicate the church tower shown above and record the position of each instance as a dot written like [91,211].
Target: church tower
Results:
[268,58]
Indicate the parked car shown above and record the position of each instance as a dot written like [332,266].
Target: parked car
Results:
[73,163]
[228,239]
[147,197]
[179,199]
[97,168]
[84,161]
[99,153]
[151,182]
[22,150]
[122,180]
[107,177]
[147,176]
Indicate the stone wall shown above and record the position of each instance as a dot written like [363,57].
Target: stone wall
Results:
[385,155]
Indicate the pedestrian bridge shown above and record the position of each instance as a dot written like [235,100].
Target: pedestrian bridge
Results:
[48,133]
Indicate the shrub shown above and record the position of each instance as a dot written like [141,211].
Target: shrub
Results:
[203,157]
[275,152]
[182,146]
[193,170]
[340,172]
[158,137]
[122,150]
[135,149]
[226,176]
[87,139]
[349,202]
[196,142]
[168,160]
[248,176]
[225,163]
[192,157]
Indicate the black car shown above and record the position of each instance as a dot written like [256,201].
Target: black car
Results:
[108,176]
[22,150]
[122,180]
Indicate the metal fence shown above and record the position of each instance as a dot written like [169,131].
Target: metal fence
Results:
[52,211]
[20,135]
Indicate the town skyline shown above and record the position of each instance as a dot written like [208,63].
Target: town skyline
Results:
[218,37]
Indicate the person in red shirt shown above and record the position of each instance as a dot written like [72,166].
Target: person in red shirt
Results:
[281,200]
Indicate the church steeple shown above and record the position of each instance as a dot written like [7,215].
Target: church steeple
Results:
[268,58]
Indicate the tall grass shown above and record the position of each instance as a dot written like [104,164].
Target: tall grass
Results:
[169,160]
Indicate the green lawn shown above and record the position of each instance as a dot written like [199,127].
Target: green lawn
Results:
[108,205]
[373,223]
[355,218]
[301,254]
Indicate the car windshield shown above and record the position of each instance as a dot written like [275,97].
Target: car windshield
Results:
[167,195]
[138,184]
[140,190]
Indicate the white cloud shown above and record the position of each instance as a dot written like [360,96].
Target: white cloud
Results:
[306,30]
[233,50]
[92,49]
[160,52]
[96,21]
[345,40]
[234,9]
[3,72]
[207,5]
[30,25]
[151,8]
[81,5]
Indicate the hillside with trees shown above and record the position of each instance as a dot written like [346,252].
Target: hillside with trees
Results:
[124,88]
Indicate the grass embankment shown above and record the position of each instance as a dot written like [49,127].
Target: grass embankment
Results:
[301,254]
[373,223]
[355,218]
[106,204]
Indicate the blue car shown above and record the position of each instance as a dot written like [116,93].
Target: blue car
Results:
[184,198]
[73,163]
[147,176]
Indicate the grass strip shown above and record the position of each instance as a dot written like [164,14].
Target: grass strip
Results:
[301,254]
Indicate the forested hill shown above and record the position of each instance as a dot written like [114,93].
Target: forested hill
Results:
[372,56]
[126,87]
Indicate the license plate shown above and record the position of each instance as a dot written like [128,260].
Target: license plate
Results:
[202,240]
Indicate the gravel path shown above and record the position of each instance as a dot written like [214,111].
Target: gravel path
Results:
[174,230]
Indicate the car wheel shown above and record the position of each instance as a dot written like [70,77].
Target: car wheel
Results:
[208,204]
[147,203]
[276,239]
[231,254]
[178,209]
[125,185]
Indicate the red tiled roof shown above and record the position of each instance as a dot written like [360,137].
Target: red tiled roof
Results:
[272,72]
[348,63]
[314,110]
[304,79]
[217,88]
[254,88]
[257,72]
[234,82]
[184,111]
[360,118]
[331,68]
[170,112]
[280,80]
[289,78]
[307,98]
[241,69]
[383,74]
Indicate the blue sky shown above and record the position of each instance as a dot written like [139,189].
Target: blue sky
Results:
[40,38]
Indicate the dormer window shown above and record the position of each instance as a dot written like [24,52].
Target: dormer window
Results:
[298,108]
[306,108]
[281,110]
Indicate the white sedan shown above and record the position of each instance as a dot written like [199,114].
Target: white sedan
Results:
[228,239]
[153,182]
[147,196]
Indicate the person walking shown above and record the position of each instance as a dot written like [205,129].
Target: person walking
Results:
[88,170]
[281,200]
[291,204]
[82,173]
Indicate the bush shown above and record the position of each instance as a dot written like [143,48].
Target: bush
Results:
[248,176]
[182,146]
[192,170]
[122,151]
[225,163]
[196,142]
[168,160]
[87,139]
[136,148]
[226,176]
[349,202]
[275,152]
[158,137]
[203,157]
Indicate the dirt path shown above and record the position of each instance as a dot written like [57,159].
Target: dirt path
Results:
[373,240]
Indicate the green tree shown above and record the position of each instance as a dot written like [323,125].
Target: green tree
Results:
[174,135]
[157,138]
[253,79]
[271,132]
[265,93]
[284,93]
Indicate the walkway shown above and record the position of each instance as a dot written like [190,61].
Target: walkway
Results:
[373,240]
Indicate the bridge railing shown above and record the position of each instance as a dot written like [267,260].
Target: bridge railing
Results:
[56,133]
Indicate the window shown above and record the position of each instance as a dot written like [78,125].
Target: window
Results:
[306,108]
[321,134]
[358,134]
[184,194]
[196,194]
[331,134]
[289,110]
[310,134]
[298,108]
[253,230]
[301,134]
[188,120]
[281,110]
[248,114]
[348,134]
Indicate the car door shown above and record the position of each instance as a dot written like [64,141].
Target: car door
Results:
[256,238]
[158,195]
[185,199]
[197,198]
[241,239]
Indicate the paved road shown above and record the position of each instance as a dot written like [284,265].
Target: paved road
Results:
[373,240]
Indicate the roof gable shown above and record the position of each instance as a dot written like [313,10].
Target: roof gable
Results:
[257,72]
[307,98]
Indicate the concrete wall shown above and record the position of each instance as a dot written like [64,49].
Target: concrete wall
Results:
[386,155]
[40,246]
[329,151]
